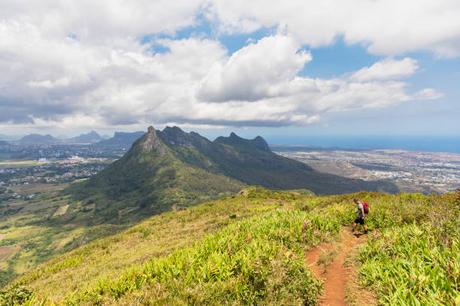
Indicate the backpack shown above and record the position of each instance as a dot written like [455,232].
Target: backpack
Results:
[366,207]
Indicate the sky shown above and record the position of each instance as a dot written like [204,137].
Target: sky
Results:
[294,67]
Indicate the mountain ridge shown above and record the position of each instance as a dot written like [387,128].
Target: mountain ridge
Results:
[90,137]
[38,139]
[173,168]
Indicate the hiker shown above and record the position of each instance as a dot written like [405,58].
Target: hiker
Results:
[363,210]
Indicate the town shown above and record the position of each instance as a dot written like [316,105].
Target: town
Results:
[14,174]
[426,172]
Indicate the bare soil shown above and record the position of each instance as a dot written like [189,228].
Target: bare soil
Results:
[339,277]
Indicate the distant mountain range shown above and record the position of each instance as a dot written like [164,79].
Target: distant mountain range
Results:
[121,139]
[172,168]
[91,137]
[36,139]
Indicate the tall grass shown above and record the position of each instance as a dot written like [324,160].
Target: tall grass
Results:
[259,260]
[415,257]
[249,249]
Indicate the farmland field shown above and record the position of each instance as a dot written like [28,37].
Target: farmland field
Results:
[19,163]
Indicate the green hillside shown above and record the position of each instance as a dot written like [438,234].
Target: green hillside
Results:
[250,249]
[174,169]
[163,171]
[149,179]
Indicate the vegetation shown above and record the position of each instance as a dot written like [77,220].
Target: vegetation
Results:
[148,180]
[415,258]
[249,249]
[171,168]
[33,231]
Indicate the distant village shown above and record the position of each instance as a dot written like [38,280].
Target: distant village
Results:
[425,172]
[45,171]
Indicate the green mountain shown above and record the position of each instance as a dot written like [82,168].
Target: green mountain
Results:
[173,169]
[150,178]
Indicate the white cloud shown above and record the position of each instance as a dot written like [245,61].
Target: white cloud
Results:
[81,63]
[388,69]
[106,21]
[256,71]
[386,27]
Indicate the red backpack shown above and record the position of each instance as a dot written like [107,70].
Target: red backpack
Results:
[366,207]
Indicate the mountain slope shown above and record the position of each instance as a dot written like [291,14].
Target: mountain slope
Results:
[172,168]
[249,249]
[252,162]
[149,179]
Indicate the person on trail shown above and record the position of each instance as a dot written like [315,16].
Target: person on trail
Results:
[363,209]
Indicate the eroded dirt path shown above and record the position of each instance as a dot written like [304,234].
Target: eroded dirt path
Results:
[327,262]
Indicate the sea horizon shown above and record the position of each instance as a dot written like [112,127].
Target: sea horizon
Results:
[447,144]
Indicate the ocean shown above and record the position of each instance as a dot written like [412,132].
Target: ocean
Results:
[411,143]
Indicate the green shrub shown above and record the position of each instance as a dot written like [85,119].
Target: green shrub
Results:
[17,295]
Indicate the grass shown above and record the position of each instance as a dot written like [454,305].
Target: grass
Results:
[36,234]
[248,262]
[158,236]
[327,257]
[249,249]
[416,260]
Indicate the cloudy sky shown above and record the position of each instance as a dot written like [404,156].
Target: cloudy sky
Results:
[295,66]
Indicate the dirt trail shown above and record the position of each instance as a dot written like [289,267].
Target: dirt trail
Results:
[327,262]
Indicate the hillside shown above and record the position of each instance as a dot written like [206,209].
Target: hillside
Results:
[249,249]
[149,179]
[172,168]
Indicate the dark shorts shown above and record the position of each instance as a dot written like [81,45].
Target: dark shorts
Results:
[359,220]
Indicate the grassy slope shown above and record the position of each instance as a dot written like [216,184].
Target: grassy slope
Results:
[249,249]
[36,233]
[141,184]
[239,159]
[156,236]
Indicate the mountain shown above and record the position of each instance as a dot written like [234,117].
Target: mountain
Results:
[150,178]
[120,140]
[91,137]
[37,139]
[253,163]
[3,143]
[172,168]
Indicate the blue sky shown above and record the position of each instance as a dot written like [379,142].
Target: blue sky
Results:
[272,68]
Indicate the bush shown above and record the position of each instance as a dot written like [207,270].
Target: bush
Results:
[17,295]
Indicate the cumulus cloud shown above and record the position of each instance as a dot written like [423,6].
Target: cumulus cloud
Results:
[387,27]
[388,69]
[256,71]
[83,64]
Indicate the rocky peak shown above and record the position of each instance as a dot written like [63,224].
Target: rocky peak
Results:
[150,142]
[258,143]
